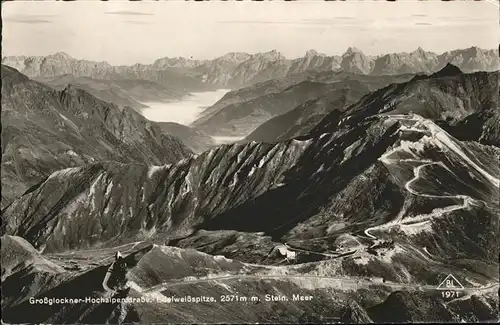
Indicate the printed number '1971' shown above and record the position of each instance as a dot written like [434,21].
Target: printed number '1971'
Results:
[450,294]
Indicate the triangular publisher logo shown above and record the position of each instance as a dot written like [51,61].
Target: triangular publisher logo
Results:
[450,283]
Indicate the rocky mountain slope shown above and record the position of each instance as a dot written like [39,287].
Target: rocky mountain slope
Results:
[300,120]
[194,139]
[236,70]
[466,104]
[392,166]
[44,130]
[242,118]
[120,92]
[149,91]
[236,97]
[344,89]
[131,93]
[103,90]
[220,70]
[242,111]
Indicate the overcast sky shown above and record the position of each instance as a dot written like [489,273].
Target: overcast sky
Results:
[140,32]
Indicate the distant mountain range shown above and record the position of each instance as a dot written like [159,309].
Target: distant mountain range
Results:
[236,70]
[60,64]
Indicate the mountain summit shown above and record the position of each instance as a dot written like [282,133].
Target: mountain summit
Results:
[313,53]
[352,50]
[448,71]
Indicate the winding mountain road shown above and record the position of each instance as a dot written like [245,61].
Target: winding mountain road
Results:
[440,139]
[467,202]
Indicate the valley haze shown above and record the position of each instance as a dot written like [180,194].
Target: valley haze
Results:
[184,111]
[178,162]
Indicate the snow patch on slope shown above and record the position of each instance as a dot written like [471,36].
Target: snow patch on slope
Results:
[108,188]
[63,173]
[92,191]
[350,149]
[154,169]
[69,122]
